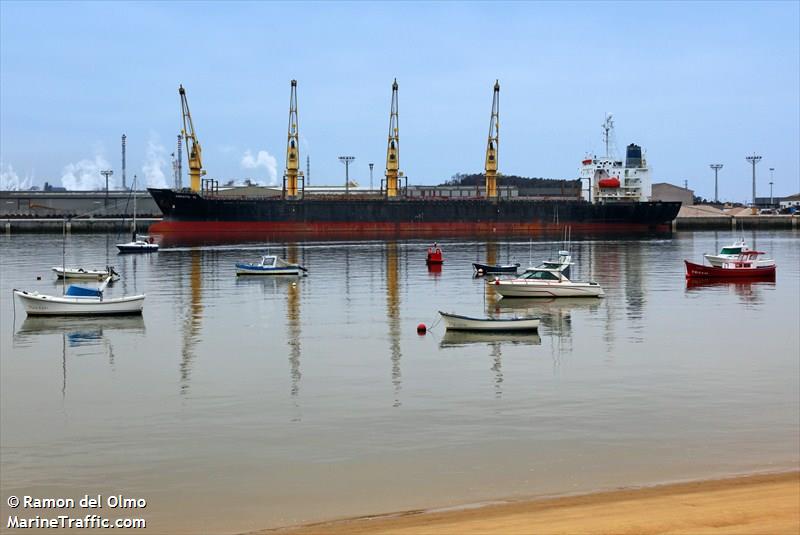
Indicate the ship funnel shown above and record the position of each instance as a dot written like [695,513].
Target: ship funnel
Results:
[633,156]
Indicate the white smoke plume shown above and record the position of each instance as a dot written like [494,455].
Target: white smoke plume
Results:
[262,159]
[10,181]
[85,174]
[155,160]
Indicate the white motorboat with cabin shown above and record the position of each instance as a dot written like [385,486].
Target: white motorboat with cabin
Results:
[79,300]
[270,265]
[465,323]
[546,282]
[733,252]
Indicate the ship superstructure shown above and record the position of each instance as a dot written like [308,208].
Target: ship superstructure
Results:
[613,180]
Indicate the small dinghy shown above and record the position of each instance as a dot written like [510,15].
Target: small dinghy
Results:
[492,269]
[270,265]
[79,301]
[465,323]
[86,274]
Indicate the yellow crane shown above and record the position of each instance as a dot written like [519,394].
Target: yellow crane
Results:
[194,152]
[491,146]
[393,148]
[292,147]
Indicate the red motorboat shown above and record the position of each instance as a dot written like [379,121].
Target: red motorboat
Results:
[745,266]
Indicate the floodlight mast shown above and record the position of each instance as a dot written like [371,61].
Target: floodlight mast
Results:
[716,167]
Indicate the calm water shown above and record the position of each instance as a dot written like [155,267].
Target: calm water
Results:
[236,404]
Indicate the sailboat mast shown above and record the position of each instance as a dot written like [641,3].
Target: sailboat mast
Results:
[133,187]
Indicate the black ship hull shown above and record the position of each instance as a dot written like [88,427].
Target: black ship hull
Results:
[191,212]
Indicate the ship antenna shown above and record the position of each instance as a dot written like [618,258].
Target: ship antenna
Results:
[608,129]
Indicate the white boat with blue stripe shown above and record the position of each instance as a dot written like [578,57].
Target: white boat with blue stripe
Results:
[270,265]
[79,301]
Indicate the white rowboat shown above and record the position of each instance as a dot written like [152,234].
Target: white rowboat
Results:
[83,274]
[465,323]
[37,304]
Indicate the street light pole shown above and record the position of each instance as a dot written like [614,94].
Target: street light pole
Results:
[771,177]
[754,159]
[346,160]
[107,173]
[716,167]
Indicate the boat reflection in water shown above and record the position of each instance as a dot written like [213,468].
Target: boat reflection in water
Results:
[83,335]
[463,338]
[749,290]
[555,314]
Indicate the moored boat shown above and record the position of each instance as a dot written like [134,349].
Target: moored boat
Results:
[546,282]
[744,266]
[490,269]
[270,265]
[139,244]
[78,300]
[465,323]
[85,274]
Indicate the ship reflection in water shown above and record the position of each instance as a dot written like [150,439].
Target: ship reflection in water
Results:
[314,377]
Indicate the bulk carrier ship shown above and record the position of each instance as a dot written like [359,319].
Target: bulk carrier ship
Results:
[616,200]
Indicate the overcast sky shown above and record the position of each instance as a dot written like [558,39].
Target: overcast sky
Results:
[693,83]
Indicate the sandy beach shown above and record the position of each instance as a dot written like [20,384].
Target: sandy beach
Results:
[758,504]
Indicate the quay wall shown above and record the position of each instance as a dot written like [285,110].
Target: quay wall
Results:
[98,225]
[748,222]
[58,204]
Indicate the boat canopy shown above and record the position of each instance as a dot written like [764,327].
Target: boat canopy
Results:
[80,291]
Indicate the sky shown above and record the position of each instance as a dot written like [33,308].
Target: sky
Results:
[693,83]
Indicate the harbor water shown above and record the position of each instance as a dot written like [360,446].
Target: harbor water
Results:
[235,404]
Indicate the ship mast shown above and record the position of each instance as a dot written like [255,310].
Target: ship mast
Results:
[292,147]
[492,144]
[194,153]
[608,129]
[393,147]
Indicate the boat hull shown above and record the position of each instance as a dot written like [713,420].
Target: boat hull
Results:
[464,323]
[491,269]
[191,212]
[36,304]
[514,288]
[255,269]
[698,271]
[136,248]
[79,273]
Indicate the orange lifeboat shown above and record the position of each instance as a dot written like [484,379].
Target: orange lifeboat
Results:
[612,182]
[587,161]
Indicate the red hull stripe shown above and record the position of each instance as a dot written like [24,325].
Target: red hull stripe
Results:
[355,228]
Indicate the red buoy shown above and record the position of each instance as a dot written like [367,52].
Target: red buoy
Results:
[421,328]
[434,255]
